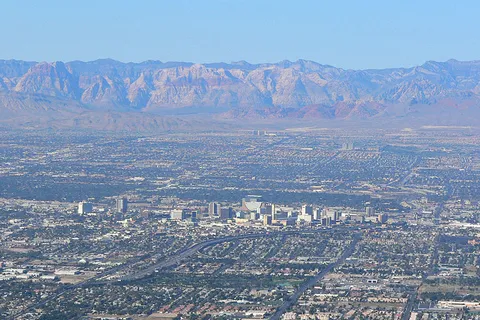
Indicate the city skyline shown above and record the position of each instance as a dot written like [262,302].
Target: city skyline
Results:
[258,159]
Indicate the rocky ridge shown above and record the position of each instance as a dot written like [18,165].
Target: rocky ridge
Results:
[300,89]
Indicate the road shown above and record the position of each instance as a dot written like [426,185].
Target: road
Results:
[409,174]
[311,282]
[407,311]
[185,253]
[169,261]
[412,297]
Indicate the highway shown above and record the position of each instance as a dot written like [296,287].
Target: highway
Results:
[187,252]
[184,253]
[169,261]
[312,281]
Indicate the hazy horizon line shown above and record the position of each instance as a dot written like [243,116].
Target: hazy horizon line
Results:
[238,62]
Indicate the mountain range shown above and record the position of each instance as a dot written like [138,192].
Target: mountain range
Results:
[108,93]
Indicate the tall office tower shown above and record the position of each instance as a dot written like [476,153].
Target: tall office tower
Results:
[280,215]
[213,209]
[317,214]
[178,214]
[338,215]
[292,214]
[226,213]
[370,211]
[382,218]
[307,210]
[122,205]
[84,207]
[267,220]
[193,216]
[275,215]
[270,208]
[326,221]
[305,218]
[334,216]
[347,146]
[324,212]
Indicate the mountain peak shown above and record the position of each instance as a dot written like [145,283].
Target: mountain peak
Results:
[286,88]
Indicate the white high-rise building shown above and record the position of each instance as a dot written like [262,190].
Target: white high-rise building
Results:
[307,210]
[213,209]
[178,214]
[122,205]
[84,207]
[370,211]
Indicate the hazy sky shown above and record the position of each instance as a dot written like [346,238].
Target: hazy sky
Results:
[349,34]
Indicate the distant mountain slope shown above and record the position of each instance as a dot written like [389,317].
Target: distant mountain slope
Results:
[301,89]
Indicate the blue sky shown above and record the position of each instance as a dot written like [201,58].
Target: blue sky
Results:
[349,34]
